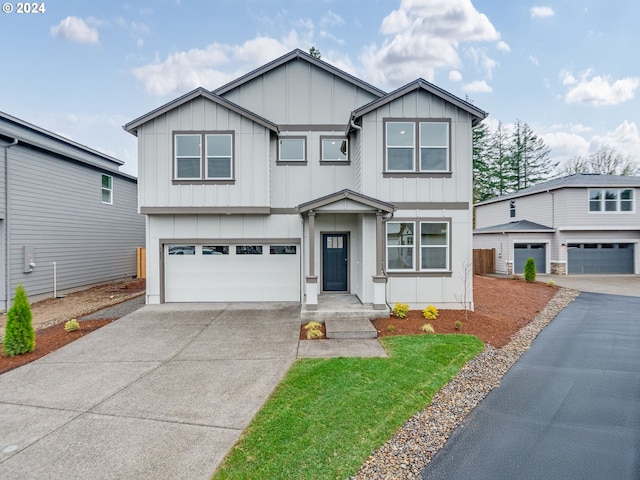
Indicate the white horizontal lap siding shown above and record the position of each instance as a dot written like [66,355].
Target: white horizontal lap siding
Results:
[232,277]
[572,205]
[56,208]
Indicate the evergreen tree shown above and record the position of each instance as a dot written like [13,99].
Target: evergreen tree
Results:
[482,168]
[19,336]
[314,52]
[530,162]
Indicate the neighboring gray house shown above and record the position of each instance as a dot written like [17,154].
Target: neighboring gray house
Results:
[299,179]
[65,203]
[582,223]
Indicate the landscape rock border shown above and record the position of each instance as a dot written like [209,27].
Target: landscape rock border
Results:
[413,446]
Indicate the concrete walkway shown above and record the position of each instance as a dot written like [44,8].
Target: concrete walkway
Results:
[569,408]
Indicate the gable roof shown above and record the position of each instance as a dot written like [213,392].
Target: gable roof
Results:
[421,84]
[517,226]
[298,54]
[348,195]
[577,180]
[132,126]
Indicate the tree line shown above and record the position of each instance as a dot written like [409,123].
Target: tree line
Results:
[508,160]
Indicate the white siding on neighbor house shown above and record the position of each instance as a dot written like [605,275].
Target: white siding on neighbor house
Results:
[250,162]
[537,208]
[210,227]
[504,247]
[417,104]
[300,93]
[572,206]
[56,208]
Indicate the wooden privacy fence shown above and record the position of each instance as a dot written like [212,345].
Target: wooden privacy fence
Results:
[484,260]
[142,262]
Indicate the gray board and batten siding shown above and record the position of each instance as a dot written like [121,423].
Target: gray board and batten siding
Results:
[52,207]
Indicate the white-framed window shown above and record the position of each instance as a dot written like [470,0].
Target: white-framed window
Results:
[334,149]
[292,150]
[434,146]
[434,245]
[400,148]
[512,208]
[400,246]
[107,189]
[611,200]
[203,156]
[430,138]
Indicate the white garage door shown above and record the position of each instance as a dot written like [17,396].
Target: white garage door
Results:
[232,273]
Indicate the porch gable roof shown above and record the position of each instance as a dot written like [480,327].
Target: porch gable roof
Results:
[347,197]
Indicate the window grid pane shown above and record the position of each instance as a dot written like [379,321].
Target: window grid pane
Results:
[400,249]
[434,241]
[434,146]
[188,156]
[292,150]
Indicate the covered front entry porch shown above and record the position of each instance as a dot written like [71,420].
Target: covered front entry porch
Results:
[343,255]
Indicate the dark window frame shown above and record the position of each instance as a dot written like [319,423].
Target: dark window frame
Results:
[202,179]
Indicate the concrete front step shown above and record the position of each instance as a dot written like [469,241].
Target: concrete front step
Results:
[345,327]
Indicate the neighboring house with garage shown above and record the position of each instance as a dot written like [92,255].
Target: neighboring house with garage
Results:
[298,180]
[68,216]
[582,223]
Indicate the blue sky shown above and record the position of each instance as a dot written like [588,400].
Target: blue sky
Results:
[568,68]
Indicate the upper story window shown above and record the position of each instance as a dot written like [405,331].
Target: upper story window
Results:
[107,189]
[512,208]
[292,150]
[417,146]
[334,150]
[203,156]
[611,200]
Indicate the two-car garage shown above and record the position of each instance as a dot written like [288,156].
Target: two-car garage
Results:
[603,258]
[228,272]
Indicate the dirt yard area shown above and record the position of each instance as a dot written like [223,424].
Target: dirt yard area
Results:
[50,315]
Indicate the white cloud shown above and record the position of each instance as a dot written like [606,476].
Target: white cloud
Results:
[625,138]
[534,60]
[503,46]
[455,76]
[331,19]
[542,12]
[422,36]
[477,86]
[598,91]
[210,67]
[567,78]
[481,59]
[75,29]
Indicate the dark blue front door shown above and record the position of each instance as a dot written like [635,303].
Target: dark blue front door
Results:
[334,262]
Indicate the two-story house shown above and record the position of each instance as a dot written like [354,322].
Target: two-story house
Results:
[582,223]
[68,215]
[298,180]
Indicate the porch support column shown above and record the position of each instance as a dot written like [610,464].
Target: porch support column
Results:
[379,279]
[311,280]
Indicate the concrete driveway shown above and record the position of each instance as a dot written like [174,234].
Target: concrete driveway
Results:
[569,408]
[610,284]
[162,393]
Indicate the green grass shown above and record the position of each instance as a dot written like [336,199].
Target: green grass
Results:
[327,415]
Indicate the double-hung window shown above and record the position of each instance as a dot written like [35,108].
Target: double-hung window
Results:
[430,254]
[107,189]
[203,156]
[611,200]
[419,146]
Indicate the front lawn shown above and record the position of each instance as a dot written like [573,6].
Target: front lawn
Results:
[327,415]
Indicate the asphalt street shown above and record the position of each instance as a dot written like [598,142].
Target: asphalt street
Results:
[568,409]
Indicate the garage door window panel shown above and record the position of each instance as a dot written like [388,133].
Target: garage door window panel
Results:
[282,250]
[182,250]
[248,249]
[215,250]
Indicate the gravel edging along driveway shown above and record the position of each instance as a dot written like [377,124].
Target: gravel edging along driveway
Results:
[418,440]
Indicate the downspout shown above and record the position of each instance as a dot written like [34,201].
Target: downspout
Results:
[7,198]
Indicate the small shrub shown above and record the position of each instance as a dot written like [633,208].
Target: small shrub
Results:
[530,270]
[72,325]
[430,313]
[427,328]
[400,310]
[19,336]
[457,325]
[390,328]
[312,326]
[314,333]
[550,283]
